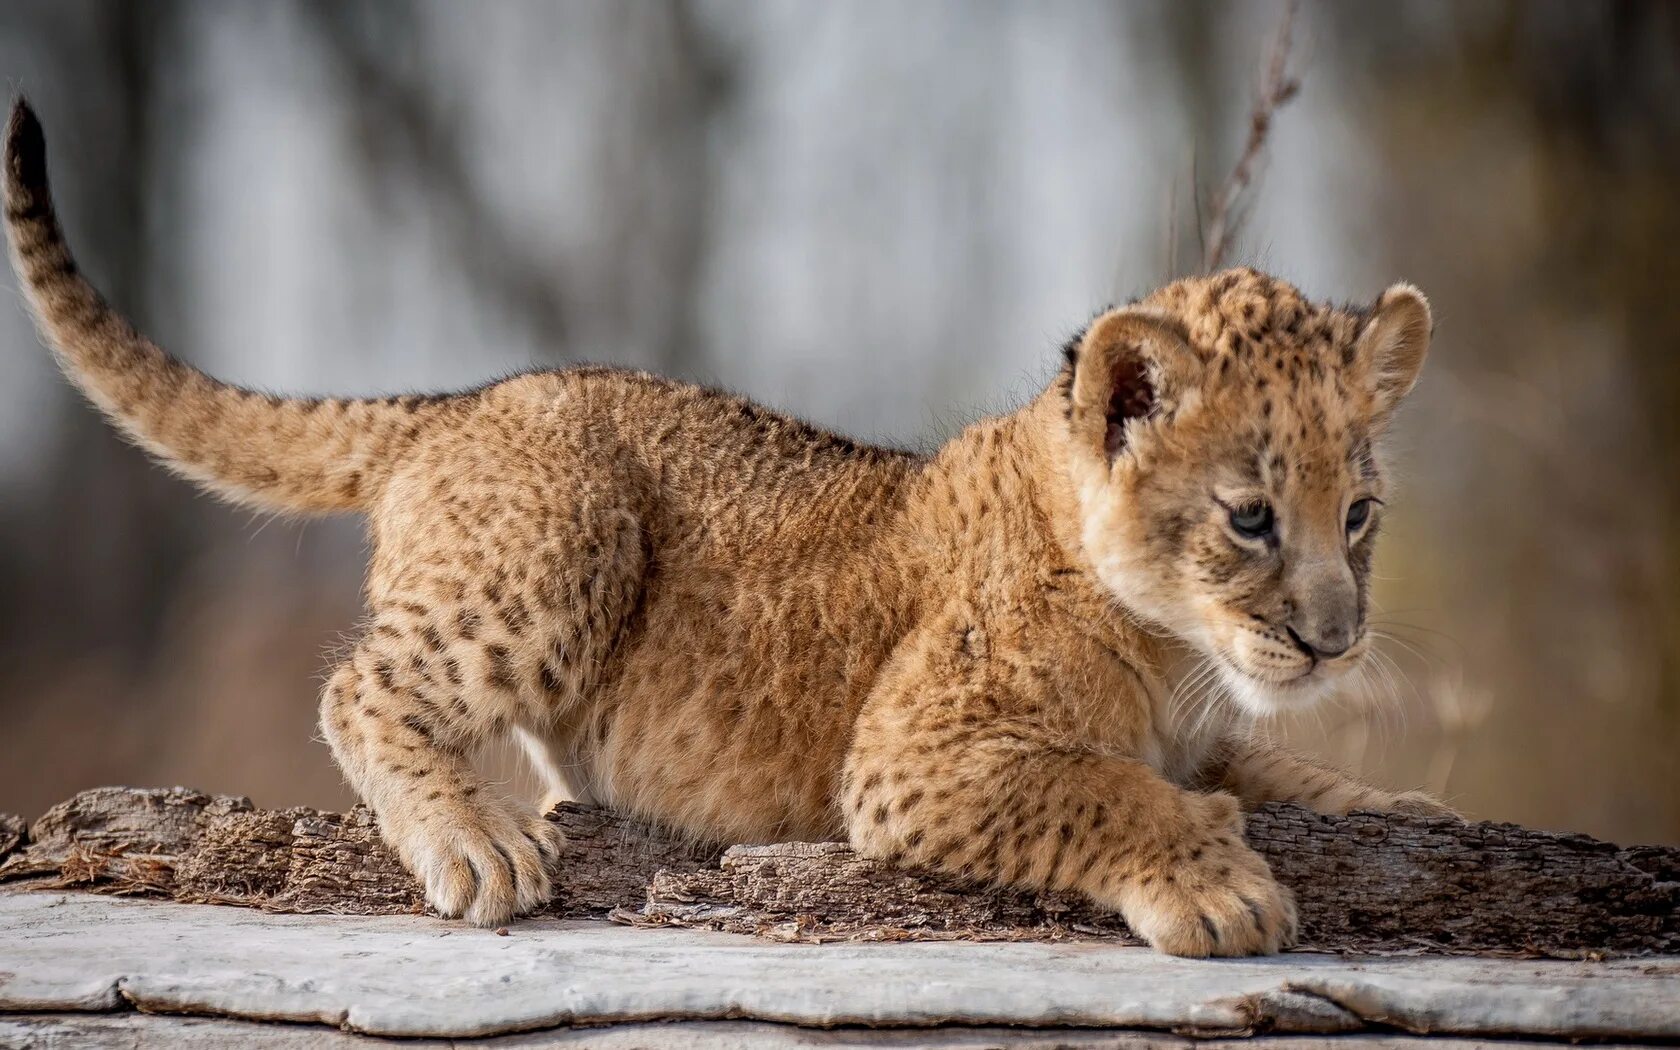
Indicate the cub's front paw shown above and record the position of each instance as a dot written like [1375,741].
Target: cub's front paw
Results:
[1416,804]
[1212,895]
[486,861]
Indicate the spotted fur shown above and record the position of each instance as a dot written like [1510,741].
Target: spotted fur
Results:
[701,611]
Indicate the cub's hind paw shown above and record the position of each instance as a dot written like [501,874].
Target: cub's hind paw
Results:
[485,863]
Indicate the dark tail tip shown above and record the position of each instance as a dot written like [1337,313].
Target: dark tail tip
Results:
[26,149]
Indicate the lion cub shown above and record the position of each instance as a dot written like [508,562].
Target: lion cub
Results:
[699,611]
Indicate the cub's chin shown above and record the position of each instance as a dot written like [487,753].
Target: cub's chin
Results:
[1262,696]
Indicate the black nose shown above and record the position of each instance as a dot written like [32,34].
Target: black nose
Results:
[1329,644]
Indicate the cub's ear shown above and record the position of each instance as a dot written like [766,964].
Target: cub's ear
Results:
[1131,364]
[1391,349]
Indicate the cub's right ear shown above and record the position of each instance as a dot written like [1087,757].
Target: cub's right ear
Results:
[1132,364]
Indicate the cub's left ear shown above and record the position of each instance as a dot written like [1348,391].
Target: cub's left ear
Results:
[1391,349]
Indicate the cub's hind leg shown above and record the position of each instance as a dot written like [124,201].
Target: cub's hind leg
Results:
[466,649]
[402,738]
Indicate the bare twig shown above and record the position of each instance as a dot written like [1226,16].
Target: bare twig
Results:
[1277,87]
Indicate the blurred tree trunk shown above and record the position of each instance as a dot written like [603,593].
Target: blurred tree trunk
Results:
[411,125]
[108,524]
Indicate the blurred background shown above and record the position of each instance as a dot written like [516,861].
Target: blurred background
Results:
[884,217]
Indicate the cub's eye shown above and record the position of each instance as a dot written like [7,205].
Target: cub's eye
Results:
[1253,520]
[1357,514]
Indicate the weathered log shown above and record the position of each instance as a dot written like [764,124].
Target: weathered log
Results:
[198,848]
[1364,882]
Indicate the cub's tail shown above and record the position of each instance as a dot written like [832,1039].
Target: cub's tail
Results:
[280,454]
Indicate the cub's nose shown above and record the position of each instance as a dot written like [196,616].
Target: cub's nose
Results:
[1327,642]
[1324,619]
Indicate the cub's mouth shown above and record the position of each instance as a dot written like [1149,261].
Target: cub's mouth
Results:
[1271,692]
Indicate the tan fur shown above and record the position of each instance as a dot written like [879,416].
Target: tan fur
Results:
[697,610]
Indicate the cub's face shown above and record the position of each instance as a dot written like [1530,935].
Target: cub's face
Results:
[1224,438]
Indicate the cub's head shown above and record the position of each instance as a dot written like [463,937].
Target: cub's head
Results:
[1223,442]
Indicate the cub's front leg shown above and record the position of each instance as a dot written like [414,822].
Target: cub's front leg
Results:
[1258,773]
[938,777]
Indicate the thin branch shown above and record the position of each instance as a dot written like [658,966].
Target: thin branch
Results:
[1276,89]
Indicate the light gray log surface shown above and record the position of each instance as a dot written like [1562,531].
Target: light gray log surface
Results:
[419,976]
[126,1031]
[1364,882]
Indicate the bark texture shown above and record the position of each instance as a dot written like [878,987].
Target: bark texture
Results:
[1364,882]
[12,828]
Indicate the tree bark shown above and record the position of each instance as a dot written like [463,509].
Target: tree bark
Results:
[1364,882]
[12,830]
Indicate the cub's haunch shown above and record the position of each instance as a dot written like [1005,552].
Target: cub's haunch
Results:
[1030,658]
